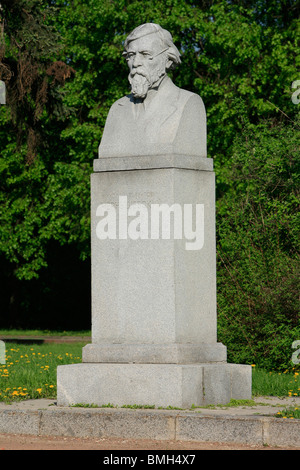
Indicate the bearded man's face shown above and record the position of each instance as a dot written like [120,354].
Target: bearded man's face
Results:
[147,64]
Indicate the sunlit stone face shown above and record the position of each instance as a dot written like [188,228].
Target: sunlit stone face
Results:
[146,59]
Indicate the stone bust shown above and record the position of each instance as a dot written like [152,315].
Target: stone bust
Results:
[157,117]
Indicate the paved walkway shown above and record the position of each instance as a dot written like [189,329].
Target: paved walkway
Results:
[186,448]
[263,406]
[41,424]
[110,428]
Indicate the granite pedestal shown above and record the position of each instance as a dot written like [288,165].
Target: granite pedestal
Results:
[154,330]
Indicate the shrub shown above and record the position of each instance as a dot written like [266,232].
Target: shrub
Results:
[258,247]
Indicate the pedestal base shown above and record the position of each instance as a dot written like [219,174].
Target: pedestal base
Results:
[154,322]
[177,385]
[173,353]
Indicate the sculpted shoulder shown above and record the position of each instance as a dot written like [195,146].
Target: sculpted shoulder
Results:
[191,98]
[179,96]
[125,100]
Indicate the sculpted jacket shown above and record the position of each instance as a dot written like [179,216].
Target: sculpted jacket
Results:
[169,121]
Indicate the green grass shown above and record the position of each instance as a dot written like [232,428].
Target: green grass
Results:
[30,372]
[284,384]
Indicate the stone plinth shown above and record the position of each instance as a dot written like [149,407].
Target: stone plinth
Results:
[149,291]
[154,333]
[153,384]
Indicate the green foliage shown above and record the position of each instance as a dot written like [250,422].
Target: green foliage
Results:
[33,77]
[258,247]
[37,206]
[63,66]
[228,53]
[40,199]
[289,412]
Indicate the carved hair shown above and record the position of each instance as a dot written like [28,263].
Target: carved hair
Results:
[164,35]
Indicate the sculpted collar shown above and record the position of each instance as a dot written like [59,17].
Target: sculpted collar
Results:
[151,92]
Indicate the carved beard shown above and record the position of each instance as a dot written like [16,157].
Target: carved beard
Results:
[141,81]
[140,84]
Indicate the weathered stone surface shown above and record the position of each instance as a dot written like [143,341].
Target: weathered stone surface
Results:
[176,353]
[157,116]
[154,290]
[153,247]
[155,161]
[180,385]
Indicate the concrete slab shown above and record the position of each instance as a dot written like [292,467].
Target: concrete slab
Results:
[162,385]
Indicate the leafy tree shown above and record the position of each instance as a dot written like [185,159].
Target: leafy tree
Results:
[258,247]
[63,66]
[37,191]
[32,75]
[231,52]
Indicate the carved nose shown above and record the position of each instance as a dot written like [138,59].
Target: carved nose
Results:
[137,61]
